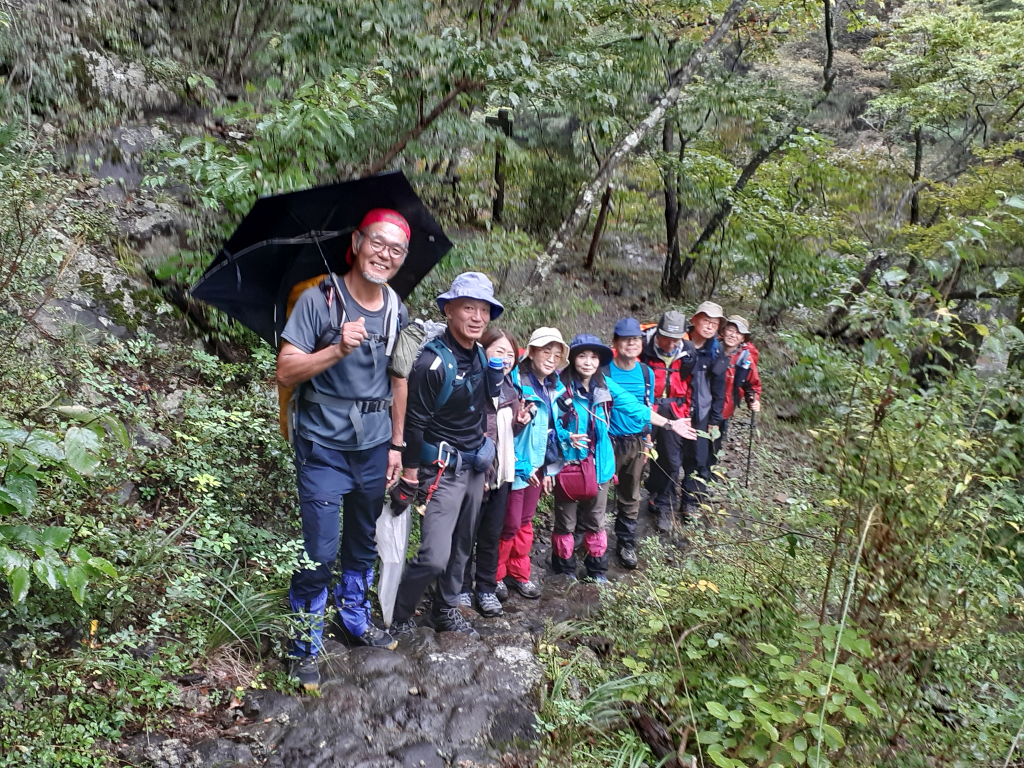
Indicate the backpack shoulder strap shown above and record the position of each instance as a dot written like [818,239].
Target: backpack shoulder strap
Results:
[447,362]
[335,300]
[393,307]
[648,383]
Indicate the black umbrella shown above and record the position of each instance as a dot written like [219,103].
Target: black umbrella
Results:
[288,238]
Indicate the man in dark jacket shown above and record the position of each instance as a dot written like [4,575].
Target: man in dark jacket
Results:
[447,449]
[706,384]
[670,356]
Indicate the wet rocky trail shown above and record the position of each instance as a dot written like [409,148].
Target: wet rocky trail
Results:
[439,700]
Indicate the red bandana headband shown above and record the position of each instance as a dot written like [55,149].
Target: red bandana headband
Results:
[378,215]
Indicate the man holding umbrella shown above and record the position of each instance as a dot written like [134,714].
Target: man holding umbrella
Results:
[348,434]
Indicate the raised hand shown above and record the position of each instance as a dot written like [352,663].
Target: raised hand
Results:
[352,335]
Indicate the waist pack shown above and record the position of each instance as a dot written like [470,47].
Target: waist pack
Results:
[577,481]
[479,460]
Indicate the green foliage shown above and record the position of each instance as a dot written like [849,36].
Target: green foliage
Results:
[864,612]
[282,144]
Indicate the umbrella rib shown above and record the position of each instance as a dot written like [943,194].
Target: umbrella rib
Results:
[310,237]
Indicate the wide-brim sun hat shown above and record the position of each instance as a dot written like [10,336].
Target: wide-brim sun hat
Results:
[472,285]
[584,342]
[544,336]
[740,323]
[709,309]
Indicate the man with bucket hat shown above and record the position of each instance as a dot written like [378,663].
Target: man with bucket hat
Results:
[706,384]
[337,342]
[670,356]
[447,449]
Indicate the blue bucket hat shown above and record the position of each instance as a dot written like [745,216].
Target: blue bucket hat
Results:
[627,327]
[472,285]
[586,341]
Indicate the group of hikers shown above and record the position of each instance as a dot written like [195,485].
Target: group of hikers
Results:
[476,430]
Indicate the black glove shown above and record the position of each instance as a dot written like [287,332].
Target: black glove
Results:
[402,496]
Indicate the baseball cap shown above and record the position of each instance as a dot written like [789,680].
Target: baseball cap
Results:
[672,325]
[628,326]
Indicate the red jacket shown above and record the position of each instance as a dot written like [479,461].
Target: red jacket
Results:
[742,376]
[671,384]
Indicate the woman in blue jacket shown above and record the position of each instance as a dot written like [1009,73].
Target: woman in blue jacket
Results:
[582,428]
[537,460]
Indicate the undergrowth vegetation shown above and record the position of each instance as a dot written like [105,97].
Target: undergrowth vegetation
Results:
[867,616]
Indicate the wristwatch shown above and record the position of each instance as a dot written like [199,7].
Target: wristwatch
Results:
[399,448]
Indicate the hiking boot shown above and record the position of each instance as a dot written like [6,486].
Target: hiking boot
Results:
[664,521]
[690,511]
[627,556]
[527,589]
[465,599]
[489,605]
[375,637]
[403,628]
[306,671]
[598,578]
[450,620]
[501,591]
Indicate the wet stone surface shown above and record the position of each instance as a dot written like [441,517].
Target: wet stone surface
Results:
[440,699]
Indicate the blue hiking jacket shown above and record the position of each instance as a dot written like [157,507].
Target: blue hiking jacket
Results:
[609,397]
[531,443]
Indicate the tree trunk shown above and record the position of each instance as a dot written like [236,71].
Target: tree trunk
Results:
[602,214]
[629,142]
[1017,355]
[915,201]
[721,215]
[231,40]
[671,277]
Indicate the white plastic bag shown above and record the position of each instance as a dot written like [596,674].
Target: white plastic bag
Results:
[392,543]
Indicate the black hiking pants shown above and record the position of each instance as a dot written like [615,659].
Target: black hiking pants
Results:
[663,482]
[488,536]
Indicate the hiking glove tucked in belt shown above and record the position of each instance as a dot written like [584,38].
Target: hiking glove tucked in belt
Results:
[402,495]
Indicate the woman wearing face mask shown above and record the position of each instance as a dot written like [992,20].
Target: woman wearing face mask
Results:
[582,426]
[537,460]
[507,415]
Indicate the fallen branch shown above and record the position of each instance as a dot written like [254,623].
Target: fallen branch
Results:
[462,86]
[592,190]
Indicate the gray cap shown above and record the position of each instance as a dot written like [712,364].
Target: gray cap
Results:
[739,322]
[710,309]
[472,285]
[672,325]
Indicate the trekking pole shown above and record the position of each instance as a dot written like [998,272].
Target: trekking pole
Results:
[750,450]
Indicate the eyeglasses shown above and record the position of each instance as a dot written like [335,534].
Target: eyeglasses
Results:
[379,246]
[553,354]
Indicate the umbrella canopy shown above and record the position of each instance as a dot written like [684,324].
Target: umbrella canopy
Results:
[286,239]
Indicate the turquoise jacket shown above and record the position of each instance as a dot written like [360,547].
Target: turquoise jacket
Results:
[608,398]
[531,444]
